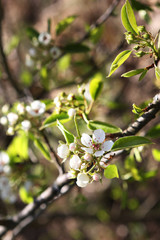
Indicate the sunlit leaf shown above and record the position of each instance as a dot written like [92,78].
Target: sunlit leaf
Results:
[25,196]
[129,142]
[157,73]
[43,148]
[132,73]
[62,25]
[69,137]
[111,172]
[143,74]
[128,18]
[95,86]
[119,60]
[64,62]
[52,119]
[106,127]
[156,154]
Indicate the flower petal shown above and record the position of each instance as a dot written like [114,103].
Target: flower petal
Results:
[86,140]
[106,146]
[88,150]
[98,136]
[98,153]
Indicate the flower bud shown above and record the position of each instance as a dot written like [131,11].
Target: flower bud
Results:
[63,151]
[96,177]
[75,162]
[87,157]
[26,125]
[141,28]
[82,179]
[4,120]
[71,112]
[12,118]
[72,147]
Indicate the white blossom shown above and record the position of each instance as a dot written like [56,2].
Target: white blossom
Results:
[63,151]
[26,125]
[72,147]
[4,161]
[71,112]
[44,38]
[97,144]
[29,61]
[5,108]
[55,52]
[36,108]
[4,120]
[20,108]
[12,118]
[57,102]
[10,131]
[96,177]
[70,97]
[75,162]
[87,157]
[32,52]
[82,179]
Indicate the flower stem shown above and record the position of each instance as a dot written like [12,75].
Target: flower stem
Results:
[77,129]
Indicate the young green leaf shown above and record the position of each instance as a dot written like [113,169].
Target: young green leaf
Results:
[106,127]
[25,196]
[143,74]
[32,33]
[156,154]
[111,172]
[133,72]
[43,148]
[157,73]
[137,110]
[128,18]
[52,119]
[62,25]
[95,86]
[75,48]
[69,137]
[119,60]
[129,142]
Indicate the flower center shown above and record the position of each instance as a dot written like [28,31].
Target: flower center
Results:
[96,146]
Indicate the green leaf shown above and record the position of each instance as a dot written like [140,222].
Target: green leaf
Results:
[129,142]
[111,172]
[154,132]
[132,73]
[62,25]
[32,33]
[52,119]
[140,6]
[25,196]
[69,137]
[143,74]
[106,127]
[128,18]
[157,73]
[137,110]
[156,154]
[75,48]
[43,148]
[119,60]
[18,148]
[95,86]
[64,62]
[26,78]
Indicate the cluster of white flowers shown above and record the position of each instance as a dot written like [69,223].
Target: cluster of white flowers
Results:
[21,118]
[85,158]
[6,193]
[42,49]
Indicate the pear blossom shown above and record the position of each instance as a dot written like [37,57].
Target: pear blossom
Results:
[32,52]
[44,38]
[36,108]
[96,177]
[29,61]
[57,102]
[4,120]
[87,157]
[10,131]
[4,160]
[20,108]
[5,108]
[12,118]
[72,147]
[26,125]
[97,144]
[71,112]
[63,151]
[82,179]
[75,162]
[55,52]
